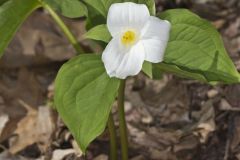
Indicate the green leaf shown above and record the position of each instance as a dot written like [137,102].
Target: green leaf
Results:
[69,8]
[100,33]
[3,1]
[84,94]
[102,6]
[94,18]
[12,14]
[195,46]
[147,69]
[157,73]
[170,68]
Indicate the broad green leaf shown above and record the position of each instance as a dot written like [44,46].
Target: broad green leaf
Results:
[94,18]
[170,68]
[158,70]
[195,46]
[100,33]
[3,1]
[12,15]
[157,73]
[69,8]
[147,69]
[84,94]
[102,6]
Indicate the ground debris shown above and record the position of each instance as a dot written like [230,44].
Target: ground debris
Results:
[168,119]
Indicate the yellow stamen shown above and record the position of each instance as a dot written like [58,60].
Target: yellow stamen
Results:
[129,37]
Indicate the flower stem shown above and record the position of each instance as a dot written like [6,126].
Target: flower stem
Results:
[64,28]
[113,138]
[122,121]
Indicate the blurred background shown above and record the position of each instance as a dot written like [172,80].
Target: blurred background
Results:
[168,119]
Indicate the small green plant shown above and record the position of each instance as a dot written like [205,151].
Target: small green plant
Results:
[136,38]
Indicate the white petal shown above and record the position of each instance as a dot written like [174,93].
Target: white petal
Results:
[122,65]
[154,37]
[112,56]
[154,50]
[156,28]
[122,16]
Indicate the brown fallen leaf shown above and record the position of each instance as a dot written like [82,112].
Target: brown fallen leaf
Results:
[101,157]
[187,143]
[35,127]
[60,154]
[4,118]
[206,121]
[139,157]
[162,154]
[238,156]
[235,141]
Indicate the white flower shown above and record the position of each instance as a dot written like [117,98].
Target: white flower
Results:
[137,36]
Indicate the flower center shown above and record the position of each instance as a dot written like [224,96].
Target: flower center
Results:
[128,38]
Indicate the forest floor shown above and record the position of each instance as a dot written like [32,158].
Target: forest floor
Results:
[168,119]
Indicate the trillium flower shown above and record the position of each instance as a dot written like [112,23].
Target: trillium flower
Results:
[137,37]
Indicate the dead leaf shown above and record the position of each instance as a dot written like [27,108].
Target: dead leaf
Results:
[162,154]
[140,157]
[59,154]
[212,93]
[35,127]
[235,141]
[101,157]
[187,143]
[4,118]
[205,121]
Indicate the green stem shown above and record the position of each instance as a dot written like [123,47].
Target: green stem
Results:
[113,138]
[122,121]
[64,28]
